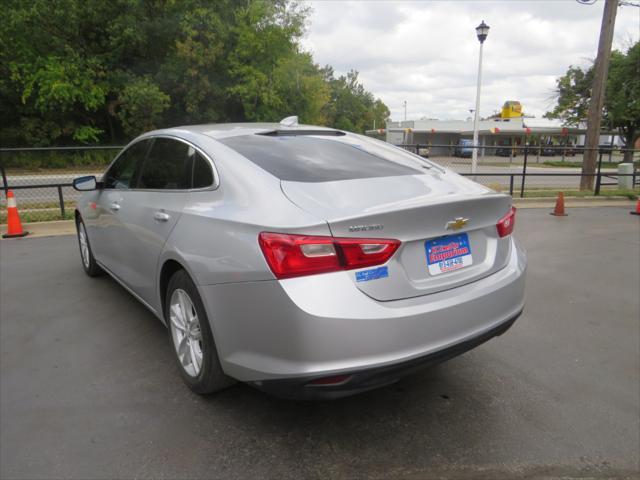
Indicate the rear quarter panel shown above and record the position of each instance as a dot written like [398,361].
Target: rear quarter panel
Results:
[217,234]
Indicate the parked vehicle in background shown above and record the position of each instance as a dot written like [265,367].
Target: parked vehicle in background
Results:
[569,150]
[550,150]
[506,151]
[533,149]
[464,148]
[305,261]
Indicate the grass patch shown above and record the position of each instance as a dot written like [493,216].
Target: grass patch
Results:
[41,216]
[26,205]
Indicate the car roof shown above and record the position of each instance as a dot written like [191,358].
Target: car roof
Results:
[225,130]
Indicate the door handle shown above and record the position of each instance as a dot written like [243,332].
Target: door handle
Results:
[161,216]
[114,206]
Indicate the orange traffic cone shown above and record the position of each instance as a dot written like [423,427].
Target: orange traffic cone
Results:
[637,210]
[559,210]
[14,227]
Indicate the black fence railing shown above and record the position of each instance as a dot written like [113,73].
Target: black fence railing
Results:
[511,151]
[41,177]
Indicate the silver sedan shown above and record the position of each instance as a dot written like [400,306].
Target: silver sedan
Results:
[306,261]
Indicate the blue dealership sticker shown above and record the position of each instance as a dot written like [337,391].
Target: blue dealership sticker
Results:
[373,274]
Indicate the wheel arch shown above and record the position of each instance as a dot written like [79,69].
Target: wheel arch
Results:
[169,267]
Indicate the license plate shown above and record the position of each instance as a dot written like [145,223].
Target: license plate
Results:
[449,253]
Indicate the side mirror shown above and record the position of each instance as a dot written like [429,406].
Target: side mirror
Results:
[85,184]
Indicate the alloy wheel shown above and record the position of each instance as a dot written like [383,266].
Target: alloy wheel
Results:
[84,245]
[186,332]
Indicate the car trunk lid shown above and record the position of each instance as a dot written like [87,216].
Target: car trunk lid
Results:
[434,211]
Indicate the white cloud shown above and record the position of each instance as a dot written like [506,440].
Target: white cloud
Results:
[426,52]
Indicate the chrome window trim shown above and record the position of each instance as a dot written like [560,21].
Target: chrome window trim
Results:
[127,147]
[216,177]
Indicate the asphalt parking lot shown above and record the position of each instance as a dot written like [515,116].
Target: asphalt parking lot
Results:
[88,387]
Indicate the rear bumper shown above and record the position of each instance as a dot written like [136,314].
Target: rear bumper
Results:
[369,379]
[322,325]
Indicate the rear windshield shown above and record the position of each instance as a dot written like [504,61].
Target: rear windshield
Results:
[312,159]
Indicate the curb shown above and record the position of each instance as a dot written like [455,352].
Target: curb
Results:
[48,229]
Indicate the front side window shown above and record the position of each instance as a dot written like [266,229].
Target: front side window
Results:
[168,166]
[122,173]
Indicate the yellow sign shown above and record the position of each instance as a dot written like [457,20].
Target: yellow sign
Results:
[511,109]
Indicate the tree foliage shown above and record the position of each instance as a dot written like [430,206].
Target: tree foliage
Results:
[81,71]
[622,98]
[351,107]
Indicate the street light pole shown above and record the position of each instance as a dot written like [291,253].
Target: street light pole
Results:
[405,110]
[482,31]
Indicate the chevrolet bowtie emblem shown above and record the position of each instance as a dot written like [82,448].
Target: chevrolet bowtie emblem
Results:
[457,223]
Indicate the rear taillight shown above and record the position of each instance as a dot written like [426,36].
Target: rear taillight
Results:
[297,255]
[505,224]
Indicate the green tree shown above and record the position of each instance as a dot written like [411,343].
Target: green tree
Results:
[351,107]
[301,89]
[622,101]
[141,106]
[82,71]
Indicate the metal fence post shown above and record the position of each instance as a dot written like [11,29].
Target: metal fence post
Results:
[524,171]
[5,184]
[598,177]
[61,198]
[511,184]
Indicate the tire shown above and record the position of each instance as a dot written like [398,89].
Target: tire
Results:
[191,337]
[87,259]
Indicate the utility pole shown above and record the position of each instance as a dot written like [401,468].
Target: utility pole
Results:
[594,117]
[405,110]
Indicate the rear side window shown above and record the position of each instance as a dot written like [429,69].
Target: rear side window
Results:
[312,159]
[202,173]
[122,173]
[168,166]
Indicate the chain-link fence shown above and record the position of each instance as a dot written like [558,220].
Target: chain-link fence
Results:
[41,177]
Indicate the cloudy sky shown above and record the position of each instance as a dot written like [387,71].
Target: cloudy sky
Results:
[426,52]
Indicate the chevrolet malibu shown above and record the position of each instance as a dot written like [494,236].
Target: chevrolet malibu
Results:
[306,261]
